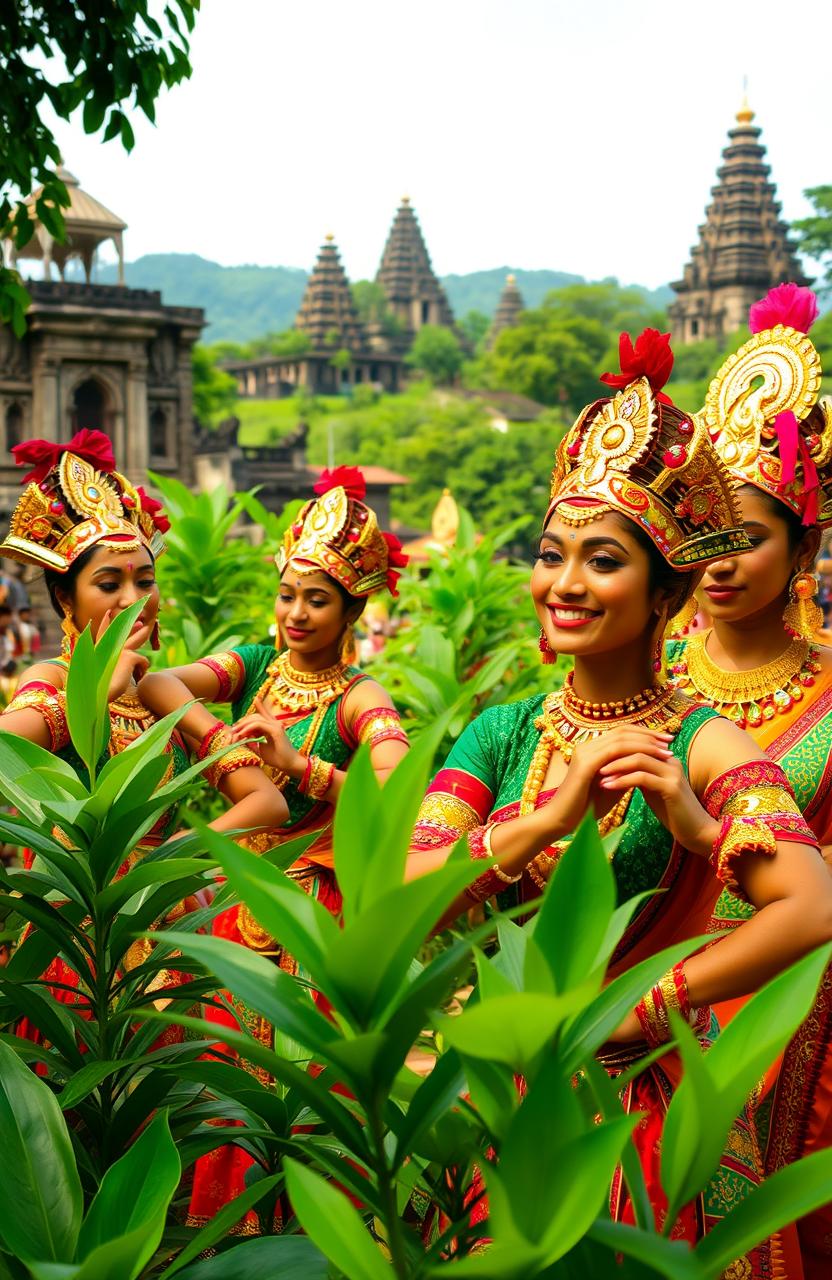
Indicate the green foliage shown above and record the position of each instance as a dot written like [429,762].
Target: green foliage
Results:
[58,56]
[474,327]
[815,232]
[214,390]
[468,641]
[394,1140]
[556,351]
[435,438]
[217,589]
[436,353]
[374,309]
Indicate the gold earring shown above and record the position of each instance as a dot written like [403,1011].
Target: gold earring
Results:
[347,650]
[679,623]
[803,616]
[71,632]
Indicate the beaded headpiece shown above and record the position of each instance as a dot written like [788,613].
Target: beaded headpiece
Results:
[762,409]
[338,534]
[638,454]
[75,499]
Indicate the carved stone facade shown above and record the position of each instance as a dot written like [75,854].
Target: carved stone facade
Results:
[100,356]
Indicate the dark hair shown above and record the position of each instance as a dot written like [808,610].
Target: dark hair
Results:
[65,582]
[795,528]
[5,608]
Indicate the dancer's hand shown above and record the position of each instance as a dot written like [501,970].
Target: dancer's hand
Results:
[591,779]
[131,664]
[664,784]
[277,751]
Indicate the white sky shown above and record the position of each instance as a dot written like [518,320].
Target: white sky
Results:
[582,136]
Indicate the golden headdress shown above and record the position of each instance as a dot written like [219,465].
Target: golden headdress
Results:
[338,534]
[638,454]
[762,409]
[75,499]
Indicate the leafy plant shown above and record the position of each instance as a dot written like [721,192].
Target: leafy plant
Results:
[86,904]
[393,1140]
[218,589]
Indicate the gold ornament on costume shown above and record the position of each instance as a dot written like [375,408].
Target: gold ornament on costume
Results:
[338,534]
[762,409]
[71,504]
[803,615]
[747,697]
[566,722]
[637,454]
[299,692]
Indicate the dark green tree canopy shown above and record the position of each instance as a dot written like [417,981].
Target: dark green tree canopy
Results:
[103,55]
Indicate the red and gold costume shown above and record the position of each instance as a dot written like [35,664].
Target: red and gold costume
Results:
[337,534]
[639,455]
[772,431]
[75,500]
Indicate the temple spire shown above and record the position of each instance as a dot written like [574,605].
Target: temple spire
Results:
[508,309]
[327,313]
[744,247]
[413,291]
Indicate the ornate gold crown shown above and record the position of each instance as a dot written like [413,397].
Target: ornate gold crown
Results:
[71,505]
[638,454]
[762,409]
[337,534]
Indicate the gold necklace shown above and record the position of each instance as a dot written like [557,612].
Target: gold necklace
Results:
[567,721]
[296,691]
[748,697]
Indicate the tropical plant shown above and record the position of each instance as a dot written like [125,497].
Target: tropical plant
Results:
[217,589]
[467,639]
[387,1141]
[82,909]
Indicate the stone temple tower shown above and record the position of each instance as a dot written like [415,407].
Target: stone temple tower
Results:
[508,309]
[413,291]
[743,248]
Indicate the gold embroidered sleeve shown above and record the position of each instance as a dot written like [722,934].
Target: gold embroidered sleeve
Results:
[379,724]
[51,705]
[218,738]
[757,808]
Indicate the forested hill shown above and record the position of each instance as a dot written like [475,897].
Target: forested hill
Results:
[246,302]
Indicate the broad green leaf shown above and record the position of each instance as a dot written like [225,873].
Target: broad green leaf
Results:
[752,1040]
[373,826]
[367,961]
[284,1257]
[260,985]
[40,1192]
[331,1222]
[511,1029]
[332,1109]
[114,897]
[577,905]
[83,1082]
[434,1096]
[687,1159]
[221,1223]
[593,1025]
[672,1259]
[241,1086]
[521,960]
[133,1197]
[783,1197]
[298,921]
[120,769]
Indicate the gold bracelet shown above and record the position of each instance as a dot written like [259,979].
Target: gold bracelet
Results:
[496,869]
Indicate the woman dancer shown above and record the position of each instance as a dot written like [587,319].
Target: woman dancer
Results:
[638,502]
[761,663]
[313,711]
[97,539]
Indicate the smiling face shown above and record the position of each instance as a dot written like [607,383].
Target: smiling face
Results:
[748,586]
[592,588]
[312,614]
[112,579]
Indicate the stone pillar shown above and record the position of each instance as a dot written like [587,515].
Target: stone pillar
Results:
[136,423]
[46,410]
